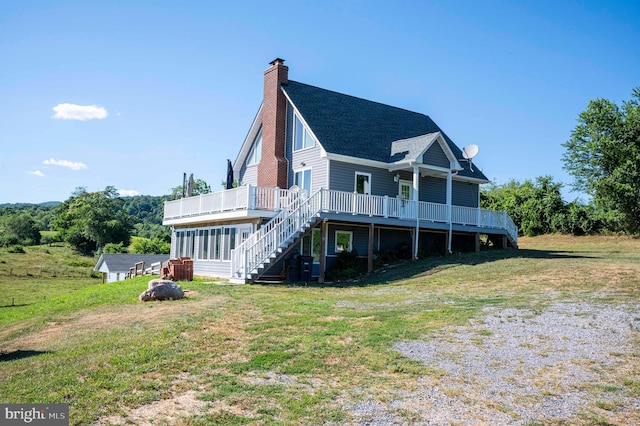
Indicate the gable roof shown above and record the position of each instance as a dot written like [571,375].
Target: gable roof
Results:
[121,262]
[359,128]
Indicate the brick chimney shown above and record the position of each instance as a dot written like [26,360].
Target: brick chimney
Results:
[272,170]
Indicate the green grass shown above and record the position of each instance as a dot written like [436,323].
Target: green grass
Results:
[279,354]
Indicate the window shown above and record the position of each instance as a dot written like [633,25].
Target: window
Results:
[186,243]
[256,151]
[363,183]
[216,243]
[344,240]
[203,244]
[311,245]
[301,137]
[229,243]
[179,243]
[302,179]
[405,189]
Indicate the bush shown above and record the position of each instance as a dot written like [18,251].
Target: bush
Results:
[346,266]
[17,248]
[150,246]
[115,248]
[50,239]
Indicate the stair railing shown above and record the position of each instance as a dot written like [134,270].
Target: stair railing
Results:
[265,242]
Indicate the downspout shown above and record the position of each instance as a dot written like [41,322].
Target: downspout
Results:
[416,199]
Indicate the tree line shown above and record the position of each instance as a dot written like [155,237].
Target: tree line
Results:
[603,156]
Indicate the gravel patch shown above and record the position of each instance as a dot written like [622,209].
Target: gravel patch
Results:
[518,366]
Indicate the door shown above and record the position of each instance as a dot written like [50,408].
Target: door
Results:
[405,194]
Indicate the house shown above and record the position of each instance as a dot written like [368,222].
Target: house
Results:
[322,172]
[116,266]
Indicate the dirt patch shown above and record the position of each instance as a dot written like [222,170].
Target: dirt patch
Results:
[86,322]
[164,411]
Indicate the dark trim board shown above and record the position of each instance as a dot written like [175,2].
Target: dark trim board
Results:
[400,223]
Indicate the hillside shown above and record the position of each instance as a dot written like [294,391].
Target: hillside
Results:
[548,334]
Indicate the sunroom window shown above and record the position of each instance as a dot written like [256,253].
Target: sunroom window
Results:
[301,137]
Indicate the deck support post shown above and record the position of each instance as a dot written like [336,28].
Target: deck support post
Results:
[323,250]
[447,242]
[477,237]
[413,243]
[370,253]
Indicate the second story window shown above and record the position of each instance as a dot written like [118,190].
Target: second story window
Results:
[301,137]
[256,151]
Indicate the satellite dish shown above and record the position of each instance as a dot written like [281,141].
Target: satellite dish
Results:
[468,152]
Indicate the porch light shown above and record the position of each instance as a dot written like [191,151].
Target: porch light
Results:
[396,178]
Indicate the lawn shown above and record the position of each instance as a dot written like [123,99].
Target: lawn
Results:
[284,354]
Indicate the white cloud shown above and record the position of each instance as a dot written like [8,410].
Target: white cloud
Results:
[64,163]
[37,173]
[128,192]
[79,112]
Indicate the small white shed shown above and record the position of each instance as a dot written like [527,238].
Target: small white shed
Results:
[116,266]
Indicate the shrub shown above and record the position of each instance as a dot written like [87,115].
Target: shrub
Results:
[17,248]
[115,248]
[346,266]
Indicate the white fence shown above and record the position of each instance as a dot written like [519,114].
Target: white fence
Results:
[242,198]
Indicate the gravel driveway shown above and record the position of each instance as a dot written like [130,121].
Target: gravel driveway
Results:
[524,367]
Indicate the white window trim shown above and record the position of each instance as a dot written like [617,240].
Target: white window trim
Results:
[304,169]
[296,119]
[311,241]
[355,181]
[335,243]
[253,148]
[407,183]
[210,250]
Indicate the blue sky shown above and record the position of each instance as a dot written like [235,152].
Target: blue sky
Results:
[168,87]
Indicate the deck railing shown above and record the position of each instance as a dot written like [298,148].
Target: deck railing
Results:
[300,211]
[245,197]
[397,208]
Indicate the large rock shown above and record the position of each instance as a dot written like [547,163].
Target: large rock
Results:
[162,290]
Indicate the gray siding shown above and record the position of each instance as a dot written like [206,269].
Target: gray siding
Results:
[433,190]
[212,268]
[342,178]
[311,157]
[435,156]
[248,175]
[465,194]
[360,238]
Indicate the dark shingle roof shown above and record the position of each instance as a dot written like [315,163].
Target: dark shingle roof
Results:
[360,128]
[121,262]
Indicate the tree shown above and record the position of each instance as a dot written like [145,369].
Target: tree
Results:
[603,155]
[89,220]
[151,246]
[19,228]
[199,187]
[537,208]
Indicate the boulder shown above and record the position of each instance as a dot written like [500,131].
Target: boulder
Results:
[162,290]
